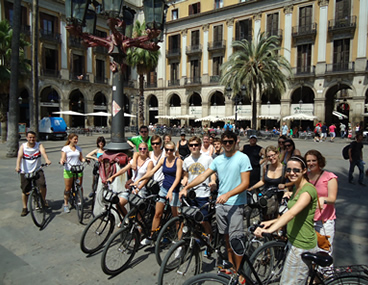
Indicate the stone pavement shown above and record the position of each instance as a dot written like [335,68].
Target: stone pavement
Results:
[53,256]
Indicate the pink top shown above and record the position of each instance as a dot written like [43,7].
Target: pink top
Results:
[328,211]
[332,129]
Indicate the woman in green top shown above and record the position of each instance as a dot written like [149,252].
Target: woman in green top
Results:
[299,221]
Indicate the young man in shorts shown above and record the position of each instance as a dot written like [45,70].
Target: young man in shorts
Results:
[28,161]
[233,171]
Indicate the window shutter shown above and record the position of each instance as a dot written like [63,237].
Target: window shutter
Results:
[190,10]
[237,36]
[199,7]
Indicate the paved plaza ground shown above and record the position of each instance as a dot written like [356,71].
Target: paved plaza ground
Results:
[53,256]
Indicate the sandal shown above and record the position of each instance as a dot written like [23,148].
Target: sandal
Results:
[227,271]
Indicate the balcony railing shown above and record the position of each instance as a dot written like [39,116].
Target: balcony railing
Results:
[242,37]
[25,29]
[342,24]
[214,78]
[192,81]
[176,52]
[150,84]
[101,50]
[304,70]
[175,82]
[305,30]
[275,32]
[101,80]
[340,67]
[76,42]
[79,77]
[217,45]
[193,49]
[50,36]
[50,72]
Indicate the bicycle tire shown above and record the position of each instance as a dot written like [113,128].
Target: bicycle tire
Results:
[208,278]
[119,251]
[166,237]
[97,232]
[79,203]
[349,280]
[37,208]
[180,263]
[268,261]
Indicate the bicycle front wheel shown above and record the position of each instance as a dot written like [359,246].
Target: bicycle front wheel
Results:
[119,251]
[349,280]
[79,203]
[36,206]
[97,232]
[208,279]
[180,263]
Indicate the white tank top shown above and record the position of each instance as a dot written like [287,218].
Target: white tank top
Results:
[158,176]
[141,171]
[31,160]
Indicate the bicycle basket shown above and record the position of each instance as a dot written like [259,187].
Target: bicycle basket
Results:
[137,201]
[269,201]
[153,186]
[109,196]
[342,271]
[77,168]
[32,175]
[193,213]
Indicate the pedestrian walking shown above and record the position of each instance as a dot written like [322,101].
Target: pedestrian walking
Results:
[342,130]
[356,159]
[332,129]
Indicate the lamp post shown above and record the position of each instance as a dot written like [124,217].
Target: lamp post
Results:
[236,99]
[81,22]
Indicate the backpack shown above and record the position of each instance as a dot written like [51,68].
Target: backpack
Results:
[108,164]
[345,151]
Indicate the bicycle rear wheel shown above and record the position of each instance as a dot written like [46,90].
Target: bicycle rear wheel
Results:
[180,263]
[119,251]
[97,232]
[208,278]
[36,206]
[349,280]
[79,203]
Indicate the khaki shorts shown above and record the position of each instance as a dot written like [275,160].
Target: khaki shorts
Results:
[25,184]
[230,220]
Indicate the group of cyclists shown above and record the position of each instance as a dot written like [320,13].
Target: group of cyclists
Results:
[215,163]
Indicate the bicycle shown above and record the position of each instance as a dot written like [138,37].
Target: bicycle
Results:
[123,244]
[98,231]
[36,203]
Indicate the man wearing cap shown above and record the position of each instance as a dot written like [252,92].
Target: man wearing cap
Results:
[182,147]
[228,127]
[255,154]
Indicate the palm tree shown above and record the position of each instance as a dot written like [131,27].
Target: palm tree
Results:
[257,65]
[145,61]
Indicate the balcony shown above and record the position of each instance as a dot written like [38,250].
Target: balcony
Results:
[341,67]
[192,81]
[79,77]
[304,71]
[214,78]
[150,84]
[101,80]
[100,50]
[173,53]
[305,31]
[76,42]
[342,28]
[193,49]
[275,32]
[217,46]
[50,36]
[175,82]
[50,72]
[243,37]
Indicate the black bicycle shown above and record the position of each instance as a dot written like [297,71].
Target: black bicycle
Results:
[100,228]
[36,203]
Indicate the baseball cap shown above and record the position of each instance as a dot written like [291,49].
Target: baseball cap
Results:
[253,137]
[182,133]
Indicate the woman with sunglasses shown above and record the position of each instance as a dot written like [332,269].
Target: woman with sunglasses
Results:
[299,220]
[172,168]
[144,164]
[207,148]
[290,150]
[327,187]
[281,147]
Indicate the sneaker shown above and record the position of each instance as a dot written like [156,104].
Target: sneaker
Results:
[24,212]
[146,241]
[66,209]
[205,254]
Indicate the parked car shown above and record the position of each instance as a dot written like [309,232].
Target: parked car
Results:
[52,128]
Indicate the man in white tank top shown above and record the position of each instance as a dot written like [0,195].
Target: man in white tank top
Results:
[29,160]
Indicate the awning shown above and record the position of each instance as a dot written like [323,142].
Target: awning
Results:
[300,116]
[72,113]
[339,115]
[185,117]
[238,118]
[105,114]
[209,119]
[268,117]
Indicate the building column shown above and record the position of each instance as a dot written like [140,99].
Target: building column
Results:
[64,72]
[161,66]
[183,56]
[361,60]
[322,36]
[229,41]
[257,26]
[205,76]
[89,64]
[287,31]
[89,120]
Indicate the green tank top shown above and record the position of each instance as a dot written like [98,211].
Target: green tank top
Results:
[300,230]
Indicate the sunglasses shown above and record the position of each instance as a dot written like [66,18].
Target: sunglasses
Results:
[144,132]
[230,142]
[155,143]
[287,145]
[169,149]
[295,170]
[142,148]
[194,145]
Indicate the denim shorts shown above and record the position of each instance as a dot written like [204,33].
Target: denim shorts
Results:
[175,202]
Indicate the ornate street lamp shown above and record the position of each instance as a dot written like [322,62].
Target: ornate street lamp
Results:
[81,22]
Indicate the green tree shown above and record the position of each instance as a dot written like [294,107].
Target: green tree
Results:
[145,61]
[259,66]
[6,36]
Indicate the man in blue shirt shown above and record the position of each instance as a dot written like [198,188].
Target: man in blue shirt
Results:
[233,171]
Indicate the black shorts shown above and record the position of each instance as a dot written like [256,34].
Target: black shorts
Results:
[25,184]
[199,202]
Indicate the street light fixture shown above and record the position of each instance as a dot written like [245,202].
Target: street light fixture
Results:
[81,16]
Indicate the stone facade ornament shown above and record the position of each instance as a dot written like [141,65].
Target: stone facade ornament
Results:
[184,32]
[288,9]
[257,16]
[205,27]
[323,3]
[230,22]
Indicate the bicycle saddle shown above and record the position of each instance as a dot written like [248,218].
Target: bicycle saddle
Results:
[320,258]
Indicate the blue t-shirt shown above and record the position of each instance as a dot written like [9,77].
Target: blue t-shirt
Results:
[228,172]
